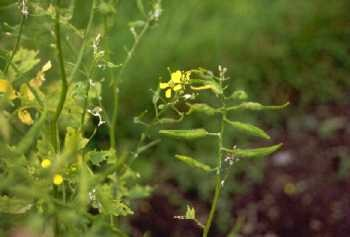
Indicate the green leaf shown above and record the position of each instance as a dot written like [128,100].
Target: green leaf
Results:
[25,60]
[185,134]
[257,152]
[203,108]
[97,157]
[239,95]
[256,106]
[141,7]
[74,140]
[190,213]
[248,128]
[14,205]
[106,8]
[138,191]
[5,127]
[136,24]
[110,204]
[30,137]
[193,163]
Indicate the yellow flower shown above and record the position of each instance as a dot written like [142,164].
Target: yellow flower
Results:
[25,117]
[40,76]
[26,92]
[57,179]
[6,87]
[46,163]
[186,77]
[174,84]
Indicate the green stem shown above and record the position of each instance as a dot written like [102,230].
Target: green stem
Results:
[18,40]
[218,185]
[219,180]
[64,88]
[64,85]
[86,97]
[84,43]
[129,56]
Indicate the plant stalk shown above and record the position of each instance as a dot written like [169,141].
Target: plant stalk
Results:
[218,185]
[18,40]
[64,85]
[130,54]
[219,180]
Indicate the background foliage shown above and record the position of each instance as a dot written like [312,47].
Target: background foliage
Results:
[277,51]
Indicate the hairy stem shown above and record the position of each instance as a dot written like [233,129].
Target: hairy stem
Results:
[218,185]
[219,180]
[64,87]
[130,54]
[64,81]
[84,43]
[18,40]
[80,56]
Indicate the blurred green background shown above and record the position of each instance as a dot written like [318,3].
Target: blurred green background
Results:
[275,50]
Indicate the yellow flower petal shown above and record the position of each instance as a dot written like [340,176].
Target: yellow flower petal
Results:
[177,87]
[40,76]
[168,93]
[57,179]
[200,88]
[25,117]
[187,76]
[46,67]
[46,163]
[164,85]
[176,76]
[6,87]
[26,92]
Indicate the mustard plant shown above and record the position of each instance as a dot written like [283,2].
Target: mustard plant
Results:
[180,97]
[54,181]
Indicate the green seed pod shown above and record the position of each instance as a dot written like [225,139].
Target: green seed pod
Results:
[203,108]
[257,152]
[256,106]
[193,163]
[185,134]
[248,128]
[169,120]
[239,95]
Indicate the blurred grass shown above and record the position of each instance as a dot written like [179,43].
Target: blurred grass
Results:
[276,50]
[287,50]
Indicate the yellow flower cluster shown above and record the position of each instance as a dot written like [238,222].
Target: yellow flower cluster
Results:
[7,89]
[177,83]
[57,178]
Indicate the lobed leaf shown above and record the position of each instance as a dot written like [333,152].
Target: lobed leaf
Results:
[14,205]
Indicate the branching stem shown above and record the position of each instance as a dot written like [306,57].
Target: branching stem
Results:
[64,82]
[65,85]
[218,185]
[130,54]
[18,40]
